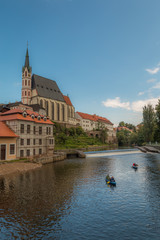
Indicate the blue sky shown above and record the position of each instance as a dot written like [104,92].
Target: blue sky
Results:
[105,54]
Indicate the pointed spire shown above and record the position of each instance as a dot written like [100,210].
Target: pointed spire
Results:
[27,60]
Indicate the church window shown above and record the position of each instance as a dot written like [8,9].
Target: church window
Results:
[25,82]
[28,93]
[58,113]
[63,113]
[47,108]
[29,83]
[52,111]
[41,103]
[25,73]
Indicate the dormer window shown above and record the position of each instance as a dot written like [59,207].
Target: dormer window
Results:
[24,114]
[32,116]
[39,117]
[45,119]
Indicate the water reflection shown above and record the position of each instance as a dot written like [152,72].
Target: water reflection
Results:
[71,200]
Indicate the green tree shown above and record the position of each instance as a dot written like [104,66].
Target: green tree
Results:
[103,136]
[148,123]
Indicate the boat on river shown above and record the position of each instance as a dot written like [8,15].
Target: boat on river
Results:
[135,166]
[110,181]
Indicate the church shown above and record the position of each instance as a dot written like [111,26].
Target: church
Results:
[45,94]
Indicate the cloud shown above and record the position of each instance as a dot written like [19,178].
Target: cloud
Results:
[116,103]
[154,70]
[151,80]
[137,106]
[140,93]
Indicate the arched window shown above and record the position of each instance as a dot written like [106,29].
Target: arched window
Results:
[29,83]
[29,94]
[41,103]
[52,110]
[25,73]
[63,113]
[25,93]
[25,82]
[58,113]
[46,107]
[69,114]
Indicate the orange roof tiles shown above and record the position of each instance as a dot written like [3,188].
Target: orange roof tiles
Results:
[94,118]
[67,100]
[16,114]
[5,131]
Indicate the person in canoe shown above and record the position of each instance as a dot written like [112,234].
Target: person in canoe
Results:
[112,179]
[135,164]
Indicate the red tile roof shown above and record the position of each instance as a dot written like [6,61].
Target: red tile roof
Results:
[16,114]
[94,118]
[67,100]
[5,131]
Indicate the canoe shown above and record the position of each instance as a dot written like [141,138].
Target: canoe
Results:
[111,182]
[135,167]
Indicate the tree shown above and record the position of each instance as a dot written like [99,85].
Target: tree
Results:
[148,123]
[103,136]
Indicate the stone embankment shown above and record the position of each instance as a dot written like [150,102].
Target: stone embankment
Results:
[152,149]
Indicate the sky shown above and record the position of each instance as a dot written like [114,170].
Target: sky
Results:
[105,54]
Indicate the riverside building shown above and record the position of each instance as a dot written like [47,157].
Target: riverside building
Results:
[32,131]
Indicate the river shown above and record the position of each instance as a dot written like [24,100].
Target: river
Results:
[71,200]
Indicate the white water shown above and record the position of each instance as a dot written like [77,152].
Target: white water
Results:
[111,153]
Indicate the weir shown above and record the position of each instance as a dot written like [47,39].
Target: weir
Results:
[110,153]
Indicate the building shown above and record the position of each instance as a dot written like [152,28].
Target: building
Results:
[93,124]
[37,90]
[35,132]
[7,142]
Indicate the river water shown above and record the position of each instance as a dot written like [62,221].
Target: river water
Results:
[71,200]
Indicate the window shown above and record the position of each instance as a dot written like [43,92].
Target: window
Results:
[28,141]
[40,151]
[22,128]
[25,82]
[28,152]
[52,111]
[29,83]
[40,141]
[21,153]
[25,73]
[40,130]
[34,141]
[47,130]
[12,148]
[28,93]
[28,128]
[25,93]
[34,151]
[34,129]
[22,141]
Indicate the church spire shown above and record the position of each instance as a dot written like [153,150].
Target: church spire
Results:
[26,65]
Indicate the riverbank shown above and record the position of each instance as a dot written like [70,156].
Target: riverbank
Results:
[17,167]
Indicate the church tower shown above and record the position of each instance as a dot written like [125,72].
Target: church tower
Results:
[26,81]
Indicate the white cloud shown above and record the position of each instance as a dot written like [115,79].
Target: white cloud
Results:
[137,106]
[140,93]
[151,80]
[153,71]
[116,103]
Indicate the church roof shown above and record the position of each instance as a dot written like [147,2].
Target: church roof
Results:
[46,88]
[67,100]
